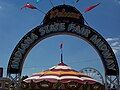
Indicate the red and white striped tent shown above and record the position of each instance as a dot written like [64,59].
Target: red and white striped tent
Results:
[62,73]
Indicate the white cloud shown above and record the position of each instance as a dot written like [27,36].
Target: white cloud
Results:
[112,39]
[115,44]
[118,48]
[115,51]
[118,1]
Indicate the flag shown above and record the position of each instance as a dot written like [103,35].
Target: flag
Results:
[29,6]
[61,45]
[91,7]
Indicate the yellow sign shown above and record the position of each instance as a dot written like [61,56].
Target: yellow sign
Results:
[63,13]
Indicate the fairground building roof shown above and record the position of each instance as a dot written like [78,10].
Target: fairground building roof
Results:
[61,77]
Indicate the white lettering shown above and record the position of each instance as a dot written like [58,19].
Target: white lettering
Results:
[105,51]
[21,50]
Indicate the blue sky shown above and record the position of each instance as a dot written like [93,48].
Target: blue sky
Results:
[14,24]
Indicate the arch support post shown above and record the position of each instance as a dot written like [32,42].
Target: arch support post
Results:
[112,82]
[16,81]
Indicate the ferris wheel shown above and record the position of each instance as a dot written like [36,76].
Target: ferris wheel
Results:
[93,73]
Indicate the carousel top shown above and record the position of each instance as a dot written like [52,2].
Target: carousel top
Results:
[63,13]
[60,73]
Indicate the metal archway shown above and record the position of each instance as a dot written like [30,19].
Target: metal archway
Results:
[55,24]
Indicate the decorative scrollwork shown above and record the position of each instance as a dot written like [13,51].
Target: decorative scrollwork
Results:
[44,85]
[58,85]
[73,85]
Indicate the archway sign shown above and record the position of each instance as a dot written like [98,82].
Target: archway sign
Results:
[64,19]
